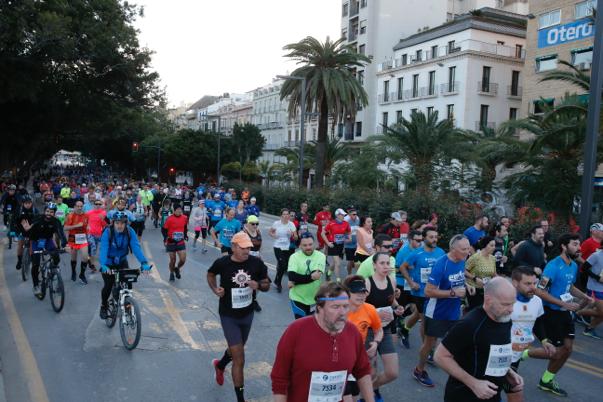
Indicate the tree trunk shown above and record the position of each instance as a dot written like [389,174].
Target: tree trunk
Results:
[321,144]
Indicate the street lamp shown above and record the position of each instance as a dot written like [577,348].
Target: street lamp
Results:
[592,125]
[302,127]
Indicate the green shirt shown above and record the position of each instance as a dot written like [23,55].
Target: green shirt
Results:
[366,268]
[61,213]
[147,197]
[303,264]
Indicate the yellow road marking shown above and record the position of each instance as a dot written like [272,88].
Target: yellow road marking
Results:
[32,376]
[584,370]
[586,366]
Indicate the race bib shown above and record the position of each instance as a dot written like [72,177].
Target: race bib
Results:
[60,213]
[499,360]
[217,212]
[228,233]
[339,238]
[80,238]
[327,387]
[303,227]
[9,208]
[486,279]
[178,236]
[566,297]
[406,286]
[187,208]
[395,243]
[241,297]
[385,323]
[354,230]
[254,253]
[425,272]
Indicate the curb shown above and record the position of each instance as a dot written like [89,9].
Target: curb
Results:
[2,391]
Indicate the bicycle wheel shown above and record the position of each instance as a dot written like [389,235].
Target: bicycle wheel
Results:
[57,291]
[43,282]
[111,312]
[25,265]
[129,323]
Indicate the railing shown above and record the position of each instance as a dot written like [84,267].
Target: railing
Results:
[353,35]
[273,146]
[487,88]
[270,126]
[480,124]
[384,98]
[514,91]
[449,88]
[292,144]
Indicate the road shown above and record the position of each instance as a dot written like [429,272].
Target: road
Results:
[74,357]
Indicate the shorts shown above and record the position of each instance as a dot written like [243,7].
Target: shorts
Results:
[226,249]
[351,388]
[558,326]
[93,244]
[336,250]
[360,257]
[174,247]
[350,254]
[386,346]
[236,330]
[437,328]
[74,246]
[419,302]
[596,295]
[301,310]
[138,227]
[202,231]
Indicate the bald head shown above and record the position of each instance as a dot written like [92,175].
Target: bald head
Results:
[499,298]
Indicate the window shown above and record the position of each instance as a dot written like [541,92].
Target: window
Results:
[362,49]
[344,11]
[404,59]
[431,89]
[363,3]
[500,42]
[541,104]
[413,111]
[450,112]
[451,79]
[486,71]
[362,27]
[582,57]
[400,87]
[344,34]
[584,9]
[384,119]
[518,51]
[415,85]
[429,110]
[434,52]
[361,77]
[483,115]
[546,63]
[358,129]
[549,19]
[385,91]
[398,116]
[452,47]
[513,113]
[514,83]
[419,55]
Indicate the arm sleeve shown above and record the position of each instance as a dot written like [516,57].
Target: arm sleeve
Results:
[589,270]
[281,370]
[135,246]
[299,279]
[104,248]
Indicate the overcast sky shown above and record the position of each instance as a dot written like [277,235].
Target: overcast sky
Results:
[208,47]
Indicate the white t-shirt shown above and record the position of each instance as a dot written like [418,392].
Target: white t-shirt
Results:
[524,316]
[283,234]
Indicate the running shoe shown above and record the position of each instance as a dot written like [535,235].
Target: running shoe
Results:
[378,397]
[403,334]
[172,279]
[103,313]
[83,279]
[36,291]
[73,276]
[218,373]
[18,265]
[581,320]
[256,306]
[204,251]
[590,332]
[177,271]
[423,378]
[430,359]
[552,387]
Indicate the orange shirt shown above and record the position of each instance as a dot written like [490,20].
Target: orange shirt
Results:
[74,219]
[364,318]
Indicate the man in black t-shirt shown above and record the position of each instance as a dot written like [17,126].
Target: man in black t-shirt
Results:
[477,351]
[240,276]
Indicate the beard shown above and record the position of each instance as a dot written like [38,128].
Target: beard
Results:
[503,318]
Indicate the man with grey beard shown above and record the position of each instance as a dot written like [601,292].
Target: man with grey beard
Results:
[477,351]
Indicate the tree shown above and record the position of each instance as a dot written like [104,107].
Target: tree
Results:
[361,170]
[248,142]
[335,151]
[331,88]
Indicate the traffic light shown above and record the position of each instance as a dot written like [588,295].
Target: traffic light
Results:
[135,147]
[172,171]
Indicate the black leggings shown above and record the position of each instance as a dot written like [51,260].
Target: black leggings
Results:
[35,266]
[109,280]
[282,261]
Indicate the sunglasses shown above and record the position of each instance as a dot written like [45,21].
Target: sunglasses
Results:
[98,204]
[254,224]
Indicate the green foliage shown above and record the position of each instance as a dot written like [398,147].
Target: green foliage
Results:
[247,142]
[361,170]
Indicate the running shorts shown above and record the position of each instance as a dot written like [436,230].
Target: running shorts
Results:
[236,330]
[558,325]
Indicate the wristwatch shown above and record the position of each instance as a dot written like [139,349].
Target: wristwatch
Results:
[452,294]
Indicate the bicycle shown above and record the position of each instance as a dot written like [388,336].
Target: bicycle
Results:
[26,260]
[122,305]
[51,279]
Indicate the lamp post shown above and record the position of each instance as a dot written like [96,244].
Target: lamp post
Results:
[302,127]
[592,125]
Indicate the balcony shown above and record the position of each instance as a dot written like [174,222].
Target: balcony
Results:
[292,144]
[450,88]
[384,98]
[427,92]
[480,124]
[487,88]
[514,92]
[270,126]
[353,35]
[386,65]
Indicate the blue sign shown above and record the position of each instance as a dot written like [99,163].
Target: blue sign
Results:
[559,34]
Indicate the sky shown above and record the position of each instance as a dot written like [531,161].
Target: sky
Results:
[209,47]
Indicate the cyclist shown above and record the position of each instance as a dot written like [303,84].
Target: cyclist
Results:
[175,230]
[41,234]
[116,242]
[28,213]
[77,227]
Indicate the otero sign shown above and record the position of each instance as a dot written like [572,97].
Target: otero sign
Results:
[559,34]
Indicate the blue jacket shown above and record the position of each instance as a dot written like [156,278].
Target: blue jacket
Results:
[118,250]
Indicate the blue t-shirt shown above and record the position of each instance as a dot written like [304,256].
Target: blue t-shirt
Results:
[560,277]
[217,209]
[445,275]
[420,263]
[354,225]
[401,256]
[226,230]
[473,235]
[253,210]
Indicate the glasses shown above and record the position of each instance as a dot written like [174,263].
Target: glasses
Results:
[254,224]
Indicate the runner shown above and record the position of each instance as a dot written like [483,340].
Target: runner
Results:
[77,227]
[477,351]
[176,235]
[241,275]
[321,220]
[351,245]
[364,239]
[335,234]
[501,248]
[61,211]
[164,213]
[303,218]
[415,242]
[241,213]
[316,354]
[479,269]
[96,224]
[557,290]
[445,289]
[394,230]
[216,209]
[139,210]
[530,252]
[200,217]
[147,198]
[282,231]
[253,231]
[477,231]
[227,228]
[305,269]
[593,267]
[252,208]
[26,213]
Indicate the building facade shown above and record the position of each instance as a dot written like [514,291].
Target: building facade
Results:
[372,27]
[557,30]
[468,70]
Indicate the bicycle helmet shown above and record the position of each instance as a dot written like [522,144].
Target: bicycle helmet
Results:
[120,216]
[26,198]
[51,205]
[12,187]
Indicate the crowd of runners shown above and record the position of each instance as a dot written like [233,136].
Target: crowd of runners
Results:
[357,288]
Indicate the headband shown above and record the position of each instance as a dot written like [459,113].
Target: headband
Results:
[342,297]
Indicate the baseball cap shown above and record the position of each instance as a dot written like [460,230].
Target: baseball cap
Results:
[357,286]
[252,219]
[396,216]
[597,226]
[201,201]
[340,212]
[242,240]
[216,195]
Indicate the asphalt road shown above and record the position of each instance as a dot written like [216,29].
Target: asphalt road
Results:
[74,357]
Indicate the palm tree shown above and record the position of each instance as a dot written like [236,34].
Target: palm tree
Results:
[423,142]
[335,151]
[573,76]
[331,87]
